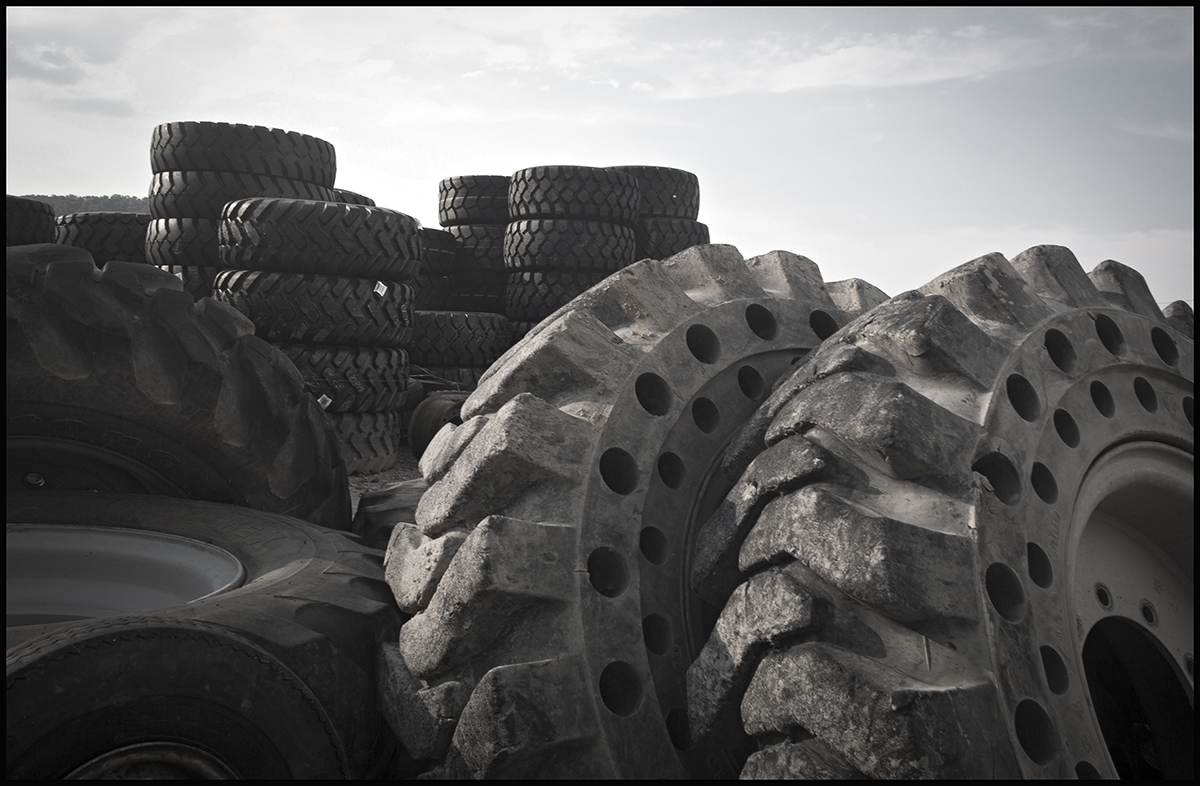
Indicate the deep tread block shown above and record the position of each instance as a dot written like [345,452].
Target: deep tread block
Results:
[665,192]
[473,199]
[107,236]
[203,194]
[578,246]
[235,147]
[573,192]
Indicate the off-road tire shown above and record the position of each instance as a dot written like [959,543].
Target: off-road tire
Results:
[369,440]
[316,309]
[427,419]
[577,246]
[549,559]
[457,338]
[573,192]
[480,247]
[351,198]
[197,281]
[190,242]
[441,252]
[333,238]
[27,221]
[234,147]
[659,238]
[665,192]
[203,194]
[273,678]
[473,199]
[351,378]
[908,564]
[533,296]
[107,236]
[116,380]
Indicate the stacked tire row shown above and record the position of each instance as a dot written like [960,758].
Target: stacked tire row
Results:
[667,211]
[327,282]
[107,236]
[200,166]
[27,221]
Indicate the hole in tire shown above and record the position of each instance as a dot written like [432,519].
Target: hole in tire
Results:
[679,730]
[619,471]
[1005,592]
[1103,596]
[1036,732]
[1067,430]
[653,393]
[1043,483]
[1055,670]
[1110,335]
[607,572]
[1102,399]
[706,415]
[1164,345]
[671,470]
[1041,571]
[620,688]
[657,633]
[751,382]
[761,322]
[1001,476]
[822,324]
[653,545]
[1149,613]
[703,344]
[1023,397]
[1145,395]
[1060,350]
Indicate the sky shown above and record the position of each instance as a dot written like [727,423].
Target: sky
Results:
[883,144]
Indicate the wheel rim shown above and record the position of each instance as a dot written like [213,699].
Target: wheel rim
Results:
[155,761]
[49,464]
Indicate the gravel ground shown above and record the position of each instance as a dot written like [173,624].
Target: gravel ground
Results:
[405,469]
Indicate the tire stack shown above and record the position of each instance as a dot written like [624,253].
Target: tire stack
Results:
[667,211]
[27,221]
[107,236]
[200,166]
[327,282]
[571,226]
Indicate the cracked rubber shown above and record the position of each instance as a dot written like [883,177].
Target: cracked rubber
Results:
[107,236]
[893,557]
[235,147]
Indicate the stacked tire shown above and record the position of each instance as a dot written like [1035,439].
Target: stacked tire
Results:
[200,166]
[328,283]
[27,221]
[108,236]
[571,226]
[667,211]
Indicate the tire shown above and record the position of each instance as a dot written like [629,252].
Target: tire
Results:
[931,516]
[332,238]
[531,297]
[575,246]
[441,252]
[665,192]
[197,281]
[368,439]
[27,221]
[117,381]
[186,242]
[108,237]
[659,238]
[456,338]
[352,379]
[203,194]
[480,247]
[530,655]
[351,198]
[234,147]
[315,309]
[573,192]
[271,678]
[449,378]
[473,199]
[430,415]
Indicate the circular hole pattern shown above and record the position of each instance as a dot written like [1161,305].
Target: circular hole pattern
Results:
[656,630]
[1044,483]
[1103,596]
[1164,345]
[706,415]
[653,393]
[620,688]
[670,470]
[751,382]
[653,544]
[1036,732]
[1087,772]
[1189,410]
[678,729]
[1057,678]
[1062,354]
[1149,613]
[619,470]
[1005,592]
[607,572]
[703,344]
[761,321]
[1110,335]
[1145,395]
[822,324]
[1001,476]
[1040,569]
[1023,397]
[1103,399]
[1064,424]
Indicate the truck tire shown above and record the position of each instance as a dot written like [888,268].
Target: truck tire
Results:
[575,246]
[117,381]
[665,192]
[351,198]
[473,199]
[27,221]
[107,236]
[234,147]
[186,242]
[573,192]
[480,247]
[457,338]
[956,545]
[659,238]
[533,296]
[369,440]
[203,194]
[270,676]
[552,546]
[352,379]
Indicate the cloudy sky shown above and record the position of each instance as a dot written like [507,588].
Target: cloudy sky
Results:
[889,145]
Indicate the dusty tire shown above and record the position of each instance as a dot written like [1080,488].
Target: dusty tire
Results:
[107,236]
[27,221]
[235,147]
[117,381]
[551,546]
[272,677]
[933,513]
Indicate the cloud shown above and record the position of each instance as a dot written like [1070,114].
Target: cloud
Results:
[1176,132]
[108,107]
[641,87]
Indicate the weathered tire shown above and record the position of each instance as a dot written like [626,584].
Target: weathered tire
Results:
[427,419]
[117,381]
[659,238]
[932,515]
[665,192]
[369,440]
[197,281]
[457,338]
[187,242]
[273,677]
[576,246]
[480,247]
[573,192]
[316,309]
[351,198]
[107,236]
[203,194]
[337,239]
[441,252]
[27,221]
[350,378]
[551,552]
[473,199]
[234,147]
[533,296]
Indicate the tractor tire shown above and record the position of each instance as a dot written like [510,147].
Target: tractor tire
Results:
[574,246]
[352,379]
[27,221]
[665,192]
[962,540]
[473,199]
[573,192]
[234,147]
[552,548]
[203,194]
[107,236]
[117,381]
[258,662]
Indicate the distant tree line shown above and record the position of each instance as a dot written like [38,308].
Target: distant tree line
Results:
[70,203]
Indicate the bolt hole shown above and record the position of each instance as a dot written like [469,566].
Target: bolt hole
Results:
[1040,569]
[706,415]
[35,480]
[703,344]
[761,321]
[1103,400]
[607,572]
[1057,678]
[1001,476]
[1023,397]
[1061,352]
[619,471]
[656,631]
[1036,732]
[1189,410]
[653,394]
[1064,424]
[653,544]
[1087,772]
[1145,394]
[620,688]
[1164,345]
[822,324]
[678,729]
[1103,596]
[1149,613]
[1044,483]
[1110,335]
[670,470]
[751,382]
[1189,663]
[1005,592]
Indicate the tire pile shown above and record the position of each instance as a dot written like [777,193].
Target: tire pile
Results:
[107,236]
[27,221]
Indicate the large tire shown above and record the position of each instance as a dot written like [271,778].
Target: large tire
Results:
[551,557]
[533,296]
[458,338]
[234,147]
[430,415]
[352,379]
[369,440]
[665,192]
[659,238]
[573,192]
[272,678]
[352,198]
[203,194]
[957,545]
[186,242]
[107,236]
[473,199]
[27,221]
[575,246]
[117,381]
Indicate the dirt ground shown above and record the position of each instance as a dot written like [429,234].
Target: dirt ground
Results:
[405,469]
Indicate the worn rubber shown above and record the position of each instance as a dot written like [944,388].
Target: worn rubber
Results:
[203,194]
[896,559]
[548,541]
[351,378]
[316,309]
[276,677]
[107,236]
[234,147]
[333,238]
[665,192]
[573,192]
[369,440]
[457,338]
[576,246]
[659,238]
[533,296]
[189,242]
[427,419]
[473,199]
[27,221]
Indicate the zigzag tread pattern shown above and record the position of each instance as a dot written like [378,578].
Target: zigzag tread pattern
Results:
[203,194]
[368,440]
[455,338]
[546,244]
[27,221]
[235,147]
[182,241]
[473,199]
[352,379]
[573,192]
[659,238]
[481,247]
[107,236]
[531,297]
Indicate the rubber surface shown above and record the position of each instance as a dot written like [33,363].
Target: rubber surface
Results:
[27,221]
[106,236]
[235,147]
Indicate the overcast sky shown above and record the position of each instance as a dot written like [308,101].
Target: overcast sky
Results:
[889,145]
